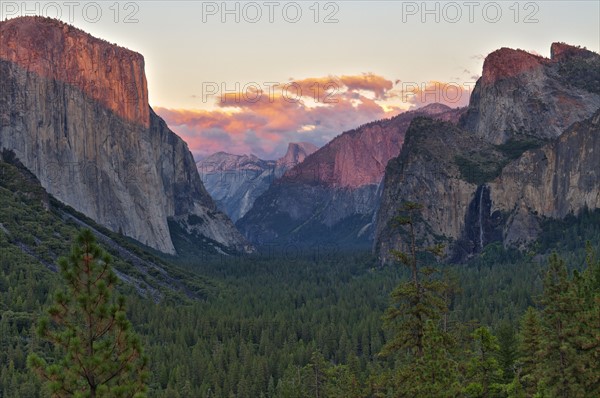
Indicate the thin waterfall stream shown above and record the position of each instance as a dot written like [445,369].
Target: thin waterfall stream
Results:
[481,217]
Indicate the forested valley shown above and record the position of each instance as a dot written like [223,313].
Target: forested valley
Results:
[324,323]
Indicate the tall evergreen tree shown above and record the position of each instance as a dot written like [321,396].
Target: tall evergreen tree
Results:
[530,350]
[435,374]
[483,369]
[559,352]
[101,355]
[587,321]
[419,299]
[508,352]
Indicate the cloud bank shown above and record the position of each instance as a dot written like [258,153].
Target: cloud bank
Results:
[263,119]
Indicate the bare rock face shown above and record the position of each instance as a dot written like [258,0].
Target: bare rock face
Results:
[334,193]
[235,181]
[556,180]
[526,149]
[115,161]
[111,75]
[523,95]
[431,171]
[358,157]
[296,153]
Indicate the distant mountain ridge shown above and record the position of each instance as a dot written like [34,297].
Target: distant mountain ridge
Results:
[235,181]
[74,110]
[333,194]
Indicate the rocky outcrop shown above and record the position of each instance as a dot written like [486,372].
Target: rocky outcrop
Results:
[521,95]
[334,193]
[526,148]
[558,179]
[295,154]
[440,166]
[108,158]
[235,181]
[562,51]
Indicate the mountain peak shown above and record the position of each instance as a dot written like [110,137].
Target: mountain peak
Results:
[223,161]
[107,73]
[296,153]
[561,51]
[434,109]
[507,63]
[550,97]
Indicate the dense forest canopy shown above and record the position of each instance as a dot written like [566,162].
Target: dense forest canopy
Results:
[312,325]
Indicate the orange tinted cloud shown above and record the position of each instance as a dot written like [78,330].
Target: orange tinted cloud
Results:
[368,82]
[263,120]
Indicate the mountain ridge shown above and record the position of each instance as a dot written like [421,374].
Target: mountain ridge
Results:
[235,181]
[334,192]
[501,173]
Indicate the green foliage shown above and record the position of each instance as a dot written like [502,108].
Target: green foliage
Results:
[255,322]
[483,369]
[530,347]
[100,355]
[567,235]
[508,351]
[435,373]
[479,168]
[582,72]
[560,344]
[516,146]
[418,300]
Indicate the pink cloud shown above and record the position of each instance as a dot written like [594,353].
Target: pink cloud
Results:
[261,122]
[314,110]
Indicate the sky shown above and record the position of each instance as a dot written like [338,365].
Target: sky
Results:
[250,77]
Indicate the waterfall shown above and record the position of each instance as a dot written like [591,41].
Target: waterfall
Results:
[481,217]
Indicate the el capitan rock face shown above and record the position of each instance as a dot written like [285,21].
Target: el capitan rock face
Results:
[527,147]
[114,160]
[235,181]
[333,194]
[111,75]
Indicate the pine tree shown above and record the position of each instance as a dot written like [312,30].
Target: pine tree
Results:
[560,346]
[507,355]
[417,300]
[318,374]
[101,355]
[483,369]
[559,352]
[530,349]
[586,325]
[435,374]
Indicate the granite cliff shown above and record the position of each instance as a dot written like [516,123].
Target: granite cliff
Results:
[558,179]
[525,149]
[525,95]
[74,109]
